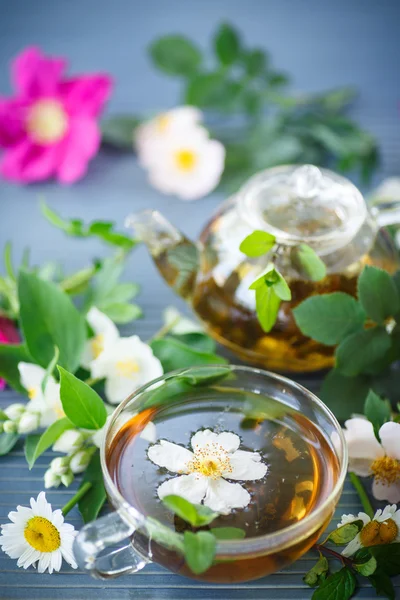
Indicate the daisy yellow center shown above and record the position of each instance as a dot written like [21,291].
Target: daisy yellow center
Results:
[32,393]
[186,160]
[97,345]
[163,122]
[42,535]
[47,122]
[375,533]
[386,470]
[211,460]
[127,368]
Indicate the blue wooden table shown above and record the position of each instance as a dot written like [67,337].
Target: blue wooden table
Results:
[323,44]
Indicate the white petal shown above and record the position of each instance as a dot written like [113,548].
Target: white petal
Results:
[390,438]
[191,487]
[360,466]
[223,496]
[361,440]
[391,493]
[229,441]
[387,513]
[31,375]
[353,546]
[101,326]
[171,456]
[66,551]
[149,433]
[246,466]
[117,389]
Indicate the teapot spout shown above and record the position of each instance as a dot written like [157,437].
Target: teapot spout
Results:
[175,257]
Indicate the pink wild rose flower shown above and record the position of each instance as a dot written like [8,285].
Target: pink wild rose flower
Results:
[49,127]
[8,335]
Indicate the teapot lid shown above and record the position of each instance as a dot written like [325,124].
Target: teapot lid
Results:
[303,204]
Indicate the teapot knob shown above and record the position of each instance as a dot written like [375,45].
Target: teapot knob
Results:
[307,181]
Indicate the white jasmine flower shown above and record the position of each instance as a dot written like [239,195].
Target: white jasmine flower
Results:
[105,335]
[60,465]
[182,324]
[384,528]
[148,433]
[28,422]
[69,441]
[153,133]
[10,427]
[79,461]
[48,404]
[51,479]
[188,165]
[203,473]
[14,411]
[369,457]
[38,535]
[127,365]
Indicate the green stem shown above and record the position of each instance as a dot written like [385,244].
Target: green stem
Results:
[92,380]
[79,494]
[355,480]
[164,330]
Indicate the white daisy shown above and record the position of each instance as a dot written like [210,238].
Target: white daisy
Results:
[38,535]
[47,404]
[384,528]
[369,457]
[203,473]
[152,134]
[105,335]
[126,365]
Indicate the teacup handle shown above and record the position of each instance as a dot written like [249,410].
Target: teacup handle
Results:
[98,535]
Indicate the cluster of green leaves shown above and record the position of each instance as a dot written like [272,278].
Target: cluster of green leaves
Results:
[199,547]
[377,563]
[274,127]
[366,334]
[270,286]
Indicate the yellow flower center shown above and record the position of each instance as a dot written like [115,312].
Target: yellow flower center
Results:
[97,345]
[42,535]
[375,534]
[211,461]
[186,160]
[47,122]
[162,122]
[127,368]
[386,470]
[32,392]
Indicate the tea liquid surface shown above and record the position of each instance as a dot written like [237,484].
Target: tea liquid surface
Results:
[302,467]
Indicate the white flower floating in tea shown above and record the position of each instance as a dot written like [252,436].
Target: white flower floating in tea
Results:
[369,457]
[204,472]
[384,528]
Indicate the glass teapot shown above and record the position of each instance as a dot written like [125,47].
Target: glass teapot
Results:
[297,204]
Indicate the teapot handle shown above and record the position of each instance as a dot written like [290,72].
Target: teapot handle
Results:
[386,213]
[98,535]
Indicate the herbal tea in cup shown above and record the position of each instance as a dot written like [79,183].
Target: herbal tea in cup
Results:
[219,473]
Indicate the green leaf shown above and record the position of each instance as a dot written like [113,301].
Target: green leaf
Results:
[318,573]
[10,356]
[119,131]
[378,294]
[205,375]
[185,260]
[228,533]
[49,319]
[122,292]
[68,226]
[364,563]
[344,534]
[382,584]
[176,55]
[91,503]
[388,558]
[257,243]
[308,263]
[344,395]
[82,405]
[339,586]
[255,62]
[197,341]
[360,350]
[197,515]
[329,318]
[227,44]
[38,444]
[212,90]
[175,355]
[8,261]
[377,411]
[267,306]
[199,550]
[7,442]
[121,312]
[50,368]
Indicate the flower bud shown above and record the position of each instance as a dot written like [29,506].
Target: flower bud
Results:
[9,427]
[69,441]
[28,422]
[14,411]
[60,465]
[67,478]
[80,461]
[51,479]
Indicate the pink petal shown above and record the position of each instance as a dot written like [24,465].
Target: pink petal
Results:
[27,162]
[2,384]
[12,120]
[80,145]
[86,95]
[34,75]
[8,331]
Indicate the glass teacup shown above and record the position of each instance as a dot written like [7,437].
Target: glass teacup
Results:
[190,433]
